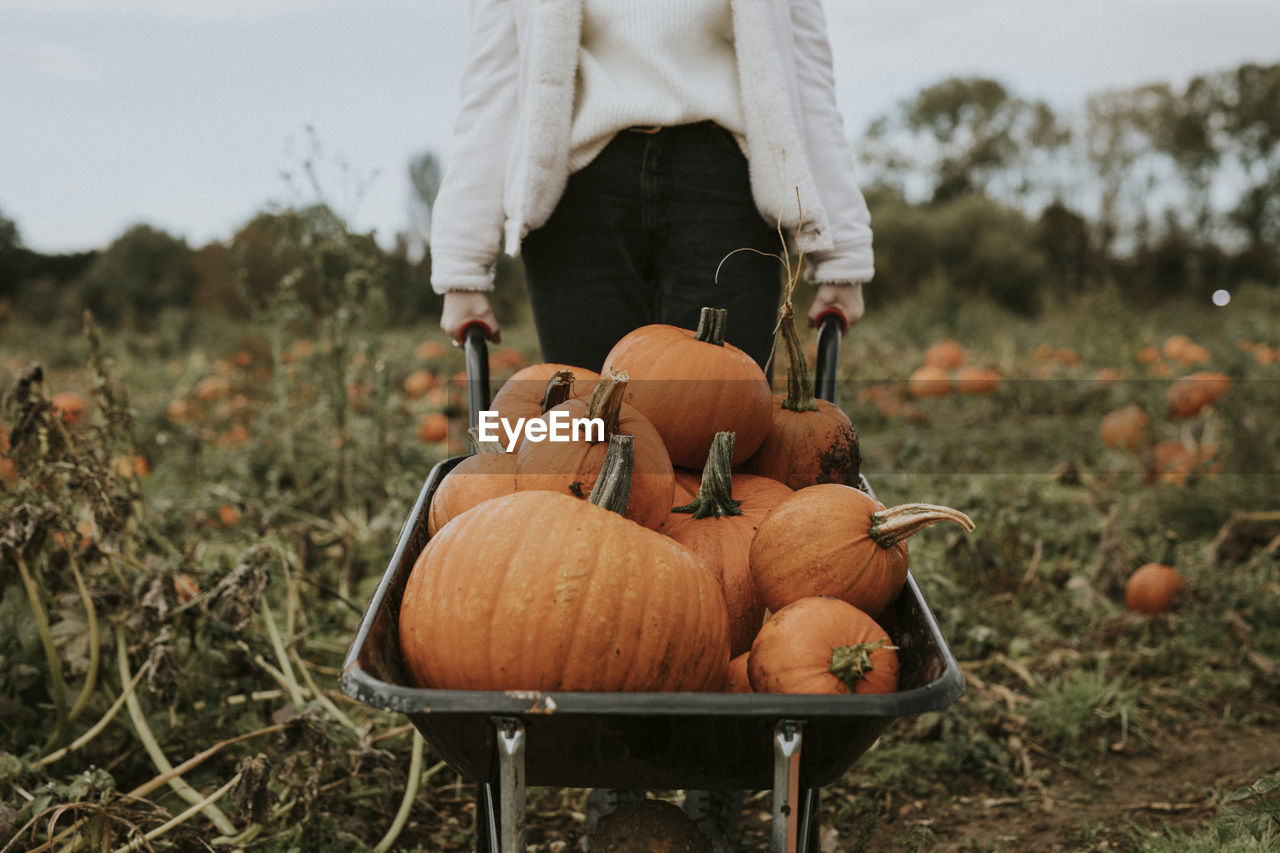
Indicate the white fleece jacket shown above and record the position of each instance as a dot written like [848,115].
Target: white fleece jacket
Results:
[510,157]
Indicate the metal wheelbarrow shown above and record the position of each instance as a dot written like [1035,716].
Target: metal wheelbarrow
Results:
[503,741]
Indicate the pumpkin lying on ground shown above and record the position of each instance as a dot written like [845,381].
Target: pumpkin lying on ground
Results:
[542,591]
[838,541]
[1125,428]
[1188,395]
[822,645]
[1152,586]
[70,406]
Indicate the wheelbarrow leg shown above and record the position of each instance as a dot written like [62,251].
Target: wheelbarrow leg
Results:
[786,786]
[500,815]
[795,806]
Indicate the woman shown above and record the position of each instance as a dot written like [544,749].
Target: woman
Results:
[626,149]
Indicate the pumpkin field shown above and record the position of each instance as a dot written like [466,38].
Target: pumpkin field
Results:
[191,527]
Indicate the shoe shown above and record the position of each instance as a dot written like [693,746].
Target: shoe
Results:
[716,814]
[602,802]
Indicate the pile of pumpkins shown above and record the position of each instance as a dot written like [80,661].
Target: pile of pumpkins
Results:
[713,540]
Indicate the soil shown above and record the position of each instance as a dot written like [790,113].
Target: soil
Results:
[1178,781]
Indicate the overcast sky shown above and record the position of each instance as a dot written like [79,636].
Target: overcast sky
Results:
[184,114]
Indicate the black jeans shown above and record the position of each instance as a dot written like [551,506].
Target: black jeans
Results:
[637,238]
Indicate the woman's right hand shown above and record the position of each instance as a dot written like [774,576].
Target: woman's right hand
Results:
[464,307]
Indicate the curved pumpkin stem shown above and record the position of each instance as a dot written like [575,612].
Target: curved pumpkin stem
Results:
[891,526]
[715,493]
[559,388]
[851,664]
[711,326]
[799,385]
[612,490]
[484,446]
[606,400]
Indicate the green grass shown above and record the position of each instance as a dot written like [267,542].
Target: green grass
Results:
[325,470]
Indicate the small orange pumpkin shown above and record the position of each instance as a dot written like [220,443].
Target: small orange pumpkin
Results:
[929,381]
[810,440]
[419,382]
[1188,395]
[1125,428]
[822,645]
[490,472]
[977,380]
[838,541]
[69,406]
[946,354]
[433,427]
[1152,587]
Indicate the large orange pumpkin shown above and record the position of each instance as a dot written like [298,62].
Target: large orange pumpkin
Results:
[541,591]
[719,524]
[822,645]
[571,467]
[810,440]
[838,541]
[693,384]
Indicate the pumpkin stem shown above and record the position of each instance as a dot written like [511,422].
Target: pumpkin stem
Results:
[711,325]
[851,664]
[559,388]
[484,446]
[612,490]
[1170,547]
[891,526]
[799,385]
[715,492]
[606,400]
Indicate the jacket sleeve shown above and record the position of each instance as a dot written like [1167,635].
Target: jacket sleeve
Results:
[830,154]
[467,219]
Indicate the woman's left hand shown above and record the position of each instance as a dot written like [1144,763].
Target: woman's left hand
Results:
[846,299]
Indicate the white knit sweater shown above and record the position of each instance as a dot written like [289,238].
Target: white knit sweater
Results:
[511,148]
[659,62]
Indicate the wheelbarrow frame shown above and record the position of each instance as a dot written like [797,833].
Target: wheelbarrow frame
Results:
[504,741]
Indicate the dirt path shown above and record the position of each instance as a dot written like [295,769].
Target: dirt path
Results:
[1177,781]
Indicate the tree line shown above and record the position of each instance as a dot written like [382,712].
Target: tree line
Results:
[1155,190]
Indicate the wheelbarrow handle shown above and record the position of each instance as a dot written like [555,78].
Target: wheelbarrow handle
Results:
[476,350]
[832,324]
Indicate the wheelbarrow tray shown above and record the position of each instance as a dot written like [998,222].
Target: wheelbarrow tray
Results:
[641,740]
